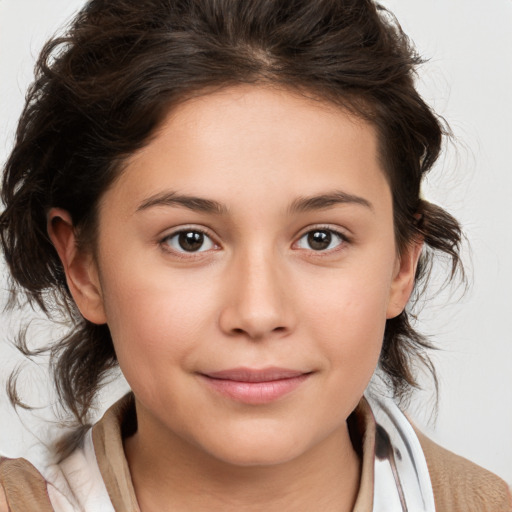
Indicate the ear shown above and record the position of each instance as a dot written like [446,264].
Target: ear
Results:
[403,279]
[80,268]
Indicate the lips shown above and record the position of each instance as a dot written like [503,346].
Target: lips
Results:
[255,386]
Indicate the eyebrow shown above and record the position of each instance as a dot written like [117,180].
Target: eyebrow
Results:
[193,203]
[299,205]
[328,200]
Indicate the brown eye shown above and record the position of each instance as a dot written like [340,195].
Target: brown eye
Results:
[320,240]
[189,241]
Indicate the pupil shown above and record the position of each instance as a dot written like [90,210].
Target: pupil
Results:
[319,240]
[191,240]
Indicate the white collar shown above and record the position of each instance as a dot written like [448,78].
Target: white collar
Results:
[401,477]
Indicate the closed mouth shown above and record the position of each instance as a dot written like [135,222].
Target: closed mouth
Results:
[255,386]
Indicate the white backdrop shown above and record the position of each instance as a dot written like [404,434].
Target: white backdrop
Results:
[468,80]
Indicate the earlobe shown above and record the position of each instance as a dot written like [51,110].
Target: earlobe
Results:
[403,280]
[79,266]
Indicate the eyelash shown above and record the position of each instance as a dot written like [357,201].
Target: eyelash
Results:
[342,240]
[164,242]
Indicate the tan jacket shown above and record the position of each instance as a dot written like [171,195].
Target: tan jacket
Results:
[458,484]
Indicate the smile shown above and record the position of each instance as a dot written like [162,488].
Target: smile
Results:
[255,387]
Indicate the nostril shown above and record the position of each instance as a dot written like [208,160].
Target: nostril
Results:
[239,330]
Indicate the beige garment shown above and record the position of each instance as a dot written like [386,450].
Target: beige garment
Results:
[459,485]
[25,488]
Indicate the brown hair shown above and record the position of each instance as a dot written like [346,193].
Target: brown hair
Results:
[102,89]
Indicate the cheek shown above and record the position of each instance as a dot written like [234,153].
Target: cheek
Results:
[156,319]
[348,317]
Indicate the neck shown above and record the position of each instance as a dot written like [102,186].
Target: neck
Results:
[169,473]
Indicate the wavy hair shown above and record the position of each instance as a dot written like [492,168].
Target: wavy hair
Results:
[103,87]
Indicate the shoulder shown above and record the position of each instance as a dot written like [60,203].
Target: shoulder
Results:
[22,487]
[460,485]
[3,500]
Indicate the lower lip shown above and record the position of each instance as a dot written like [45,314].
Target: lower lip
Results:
[255,393]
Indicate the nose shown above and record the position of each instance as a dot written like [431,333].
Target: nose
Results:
[258,301]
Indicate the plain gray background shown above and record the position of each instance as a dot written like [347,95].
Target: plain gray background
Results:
[468,80]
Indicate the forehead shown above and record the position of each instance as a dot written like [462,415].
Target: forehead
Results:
[261,137]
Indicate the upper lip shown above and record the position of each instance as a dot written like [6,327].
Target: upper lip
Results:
[255,375]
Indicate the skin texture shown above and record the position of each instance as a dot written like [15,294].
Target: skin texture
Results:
[255,295]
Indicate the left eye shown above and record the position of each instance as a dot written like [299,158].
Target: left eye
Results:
[190,241]
[320,240]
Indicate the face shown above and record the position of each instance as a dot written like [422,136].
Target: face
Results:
[246,266]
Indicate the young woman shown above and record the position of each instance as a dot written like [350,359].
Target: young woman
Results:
[223,197]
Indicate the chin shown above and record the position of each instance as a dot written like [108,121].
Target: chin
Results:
[259,450]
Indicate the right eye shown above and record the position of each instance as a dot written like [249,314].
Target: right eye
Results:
[189,240]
